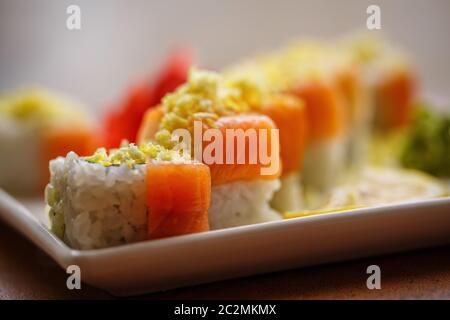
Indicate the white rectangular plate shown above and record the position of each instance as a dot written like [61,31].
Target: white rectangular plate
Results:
[223,254]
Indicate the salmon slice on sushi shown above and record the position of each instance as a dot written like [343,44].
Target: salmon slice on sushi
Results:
[178,198]
[130,194]
[395,100]
[241,191]
[45,125]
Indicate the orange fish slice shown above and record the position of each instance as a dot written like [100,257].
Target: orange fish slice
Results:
[289,115]
[178,197]
[60,141]
[150,124]
[396,98]
[233,170]
[325,110]
[350,85]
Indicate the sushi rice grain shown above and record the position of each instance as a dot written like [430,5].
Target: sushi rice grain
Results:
[93,206]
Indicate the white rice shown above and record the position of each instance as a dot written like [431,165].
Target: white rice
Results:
[241,203]
[97,206]
[357,147]
[324,164]
[289,196]
[92,206]
[20,169]
[359,133]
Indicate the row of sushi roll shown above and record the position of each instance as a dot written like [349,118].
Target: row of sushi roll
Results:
[327,99]
[285,110]
[304,71]
[357,92]
[151,190]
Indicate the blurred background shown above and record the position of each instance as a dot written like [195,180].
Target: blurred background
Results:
[123,40]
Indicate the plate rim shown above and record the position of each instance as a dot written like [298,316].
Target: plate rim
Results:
[15,214]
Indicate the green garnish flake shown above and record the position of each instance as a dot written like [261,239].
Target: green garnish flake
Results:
[427,145]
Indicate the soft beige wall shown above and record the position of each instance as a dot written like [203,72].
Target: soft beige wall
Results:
[122,39]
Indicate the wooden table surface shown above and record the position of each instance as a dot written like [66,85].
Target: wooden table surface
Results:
[27,273]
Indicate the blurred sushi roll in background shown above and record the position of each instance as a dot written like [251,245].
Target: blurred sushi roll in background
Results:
[289,116]
[392,83]
[353,90]
[350,82]
[326,151]
[390,76]
[305,71]
[131,194]
[35,127]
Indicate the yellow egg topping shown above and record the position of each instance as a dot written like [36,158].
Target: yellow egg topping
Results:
[131,155]
[39,107]
[206,96]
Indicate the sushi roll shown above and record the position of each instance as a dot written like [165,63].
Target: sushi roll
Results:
[289,115]
[35,127]
[311,75]
[308,71]
[240,194]
[350,83]
[390,76]
[391,81]
[395,98]
[326,152]
[131,194]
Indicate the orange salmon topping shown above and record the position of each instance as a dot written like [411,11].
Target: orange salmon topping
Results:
[150,124]
[263,126]
[178,197]
[396,98]
[289,115]
[57,142]
[325,110]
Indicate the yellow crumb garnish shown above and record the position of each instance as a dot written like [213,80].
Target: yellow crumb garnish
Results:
[206,96]
[285,69]
[132,155]
[39,107]
[249,91]
[376,53]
